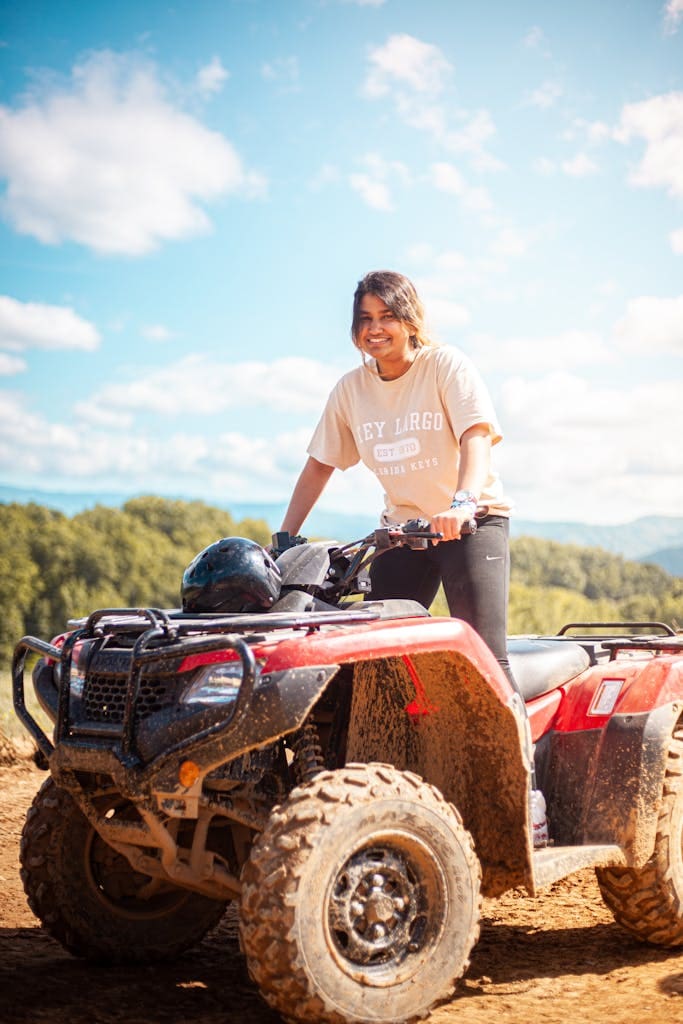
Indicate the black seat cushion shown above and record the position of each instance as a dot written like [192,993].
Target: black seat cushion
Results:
[540,666]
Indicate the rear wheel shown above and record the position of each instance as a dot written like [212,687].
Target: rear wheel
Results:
[360,900]
[91,899]
[648,901]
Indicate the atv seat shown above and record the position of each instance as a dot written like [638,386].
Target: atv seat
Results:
[540,666]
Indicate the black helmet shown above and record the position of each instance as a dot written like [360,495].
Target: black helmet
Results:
[231,575]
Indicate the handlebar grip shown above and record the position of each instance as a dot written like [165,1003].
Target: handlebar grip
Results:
[424,526]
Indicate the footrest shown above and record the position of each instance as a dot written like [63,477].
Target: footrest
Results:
[554,862]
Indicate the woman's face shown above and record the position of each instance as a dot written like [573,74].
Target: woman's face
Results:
[383,337]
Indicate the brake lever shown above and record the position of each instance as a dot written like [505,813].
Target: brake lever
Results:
[416,534]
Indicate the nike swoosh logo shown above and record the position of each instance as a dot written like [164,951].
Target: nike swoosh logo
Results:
[493,558]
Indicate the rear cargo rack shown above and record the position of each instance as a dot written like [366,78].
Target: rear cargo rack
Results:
[159,636]
[609,627]
[650,636]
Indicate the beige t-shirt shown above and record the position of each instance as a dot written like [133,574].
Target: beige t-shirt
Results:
[407,431]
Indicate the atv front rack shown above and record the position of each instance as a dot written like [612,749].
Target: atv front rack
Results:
[159,636]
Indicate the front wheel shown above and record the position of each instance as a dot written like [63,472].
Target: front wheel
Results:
[360,900]
[89,898]
[648,901]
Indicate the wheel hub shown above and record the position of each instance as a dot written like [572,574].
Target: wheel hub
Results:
[375,909]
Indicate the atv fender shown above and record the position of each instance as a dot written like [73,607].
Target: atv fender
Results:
[436,714]
[629,781]
[620,803]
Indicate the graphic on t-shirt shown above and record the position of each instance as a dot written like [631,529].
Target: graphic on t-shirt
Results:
[406,448]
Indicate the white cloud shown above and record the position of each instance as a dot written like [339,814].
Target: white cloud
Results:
[579,166]
[25,325]
[676,238]
[471,139]
[9,365]
[660,122]
[593,132]
[373,192]
[565,350]
[591,449]
[445,314]
[109,458]
[448,178]
[105,160]
[284,71]
[473,131]
[374,183]
[406,61]
[207,387]
[544,165]
[510,242]
[546,95]
[534,38]
[650,325]
[440,288]
[414,75]
[231,464]
[673,15]
[446,278]
[328,174]
[156,332]
[212,77]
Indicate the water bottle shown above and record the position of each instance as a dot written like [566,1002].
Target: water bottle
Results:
[539,821]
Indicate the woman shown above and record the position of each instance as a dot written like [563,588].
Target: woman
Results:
[419,416]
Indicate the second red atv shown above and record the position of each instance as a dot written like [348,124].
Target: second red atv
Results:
[355,774]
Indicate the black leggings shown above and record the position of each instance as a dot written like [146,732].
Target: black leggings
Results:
[475,572]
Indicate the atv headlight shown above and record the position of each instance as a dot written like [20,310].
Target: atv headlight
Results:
[216,684]
[76,681]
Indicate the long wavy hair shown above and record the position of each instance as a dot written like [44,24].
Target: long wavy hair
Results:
[399,295]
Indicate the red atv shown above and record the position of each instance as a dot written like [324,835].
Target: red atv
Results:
[355,774]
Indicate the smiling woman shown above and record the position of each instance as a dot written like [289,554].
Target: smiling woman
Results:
[420,418]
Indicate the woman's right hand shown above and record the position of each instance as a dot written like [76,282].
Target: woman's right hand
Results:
[454,523]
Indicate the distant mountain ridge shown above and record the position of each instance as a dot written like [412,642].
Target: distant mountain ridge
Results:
[657,539]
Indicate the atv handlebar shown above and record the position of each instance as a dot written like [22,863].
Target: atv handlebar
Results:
[348,563]
[415,533]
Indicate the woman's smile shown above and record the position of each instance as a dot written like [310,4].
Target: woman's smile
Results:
[383,337]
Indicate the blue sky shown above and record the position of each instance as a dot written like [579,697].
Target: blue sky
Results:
[189,193]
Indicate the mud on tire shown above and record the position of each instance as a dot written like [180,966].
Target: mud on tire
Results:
[648,901]
[360,900]
[91,900]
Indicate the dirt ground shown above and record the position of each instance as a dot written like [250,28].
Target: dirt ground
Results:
[556,958]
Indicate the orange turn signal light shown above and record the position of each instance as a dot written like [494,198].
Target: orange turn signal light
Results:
[188,773]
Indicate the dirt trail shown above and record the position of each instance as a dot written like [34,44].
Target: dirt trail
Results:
[556,958]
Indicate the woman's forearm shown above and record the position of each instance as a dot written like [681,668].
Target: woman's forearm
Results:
[475,459]
[307,490]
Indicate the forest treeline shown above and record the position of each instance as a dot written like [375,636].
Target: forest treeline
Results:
[55,567]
